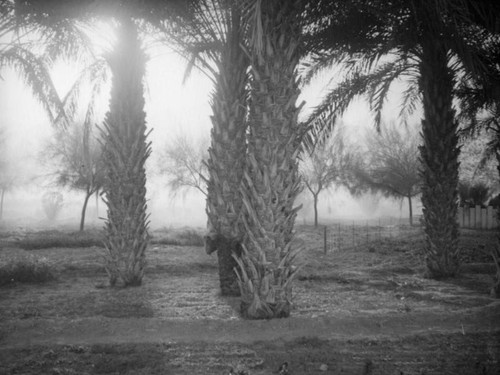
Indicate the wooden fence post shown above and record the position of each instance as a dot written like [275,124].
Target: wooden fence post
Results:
[460,216]
[324,239]
[477,215]
[490,217]
[484,222]
[338,237]
[353,236]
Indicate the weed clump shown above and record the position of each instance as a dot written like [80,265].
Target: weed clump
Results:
[27,269]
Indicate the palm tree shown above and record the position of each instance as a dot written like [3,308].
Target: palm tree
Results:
[227,152]
[212,41]
[125,147]
[125,152]
[271,181]
[427,43]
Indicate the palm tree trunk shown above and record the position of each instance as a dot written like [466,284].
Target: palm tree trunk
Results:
[125,153]
[84,210]
[439,155]
[271,180]
[227,156]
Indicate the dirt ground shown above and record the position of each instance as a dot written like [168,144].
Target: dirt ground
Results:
[364,310]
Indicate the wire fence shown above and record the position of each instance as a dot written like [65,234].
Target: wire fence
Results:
[344,236]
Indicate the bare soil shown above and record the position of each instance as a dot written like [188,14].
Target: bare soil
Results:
[361,310]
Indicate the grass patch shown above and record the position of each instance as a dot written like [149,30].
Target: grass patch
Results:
[28,269]
[183,237]
[53,238]
[445,354]
[89,238]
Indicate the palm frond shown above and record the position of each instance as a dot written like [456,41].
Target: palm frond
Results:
[374,85]
[94,75]
[199,55]
[411,96]
[379,88]
[35,73]
[252,12]
[201,39]
[65,39]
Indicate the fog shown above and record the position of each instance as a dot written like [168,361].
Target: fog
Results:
[172,108]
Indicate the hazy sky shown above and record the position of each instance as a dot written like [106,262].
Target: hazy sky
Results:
[171,107]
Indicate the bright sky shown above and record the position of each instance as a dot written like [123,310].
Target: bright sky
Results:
[171,107]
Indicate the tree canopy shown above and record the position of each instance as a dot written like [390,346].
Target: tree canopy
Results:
[391,164]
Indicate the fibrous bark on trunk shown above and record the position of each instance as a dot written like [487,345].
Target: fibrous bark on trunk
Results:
[227,155]
[125,154]
[271,181]
[439,155]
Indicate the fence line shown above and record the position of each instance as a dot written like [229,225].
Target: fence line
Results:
[343,236]
[477,217]
[350,236]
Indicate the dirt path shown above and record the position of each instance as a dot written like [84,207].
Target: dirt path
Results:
[411,343]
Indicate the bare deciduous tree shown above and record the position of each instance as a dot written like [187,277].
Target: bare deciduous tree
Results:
[77,154]
[184,162]
[391,165]
[329,164]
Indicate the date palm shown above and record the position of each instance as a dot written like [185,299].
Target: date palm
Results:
[125,147]
[227,152]
[271,182]
[125,152]
[212,41]
[428,43]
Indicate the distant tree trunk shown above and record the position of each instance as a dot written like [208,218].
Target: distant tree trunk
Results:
[97,203]
[1,204]
[411,210]
[315,209]
[84,210]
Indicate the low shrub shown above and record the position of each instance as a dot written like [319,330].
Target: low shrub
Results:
[54,238]
[27,269]
[52,203]
[48,239]
[191,237]
[185,237]
[166,240]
